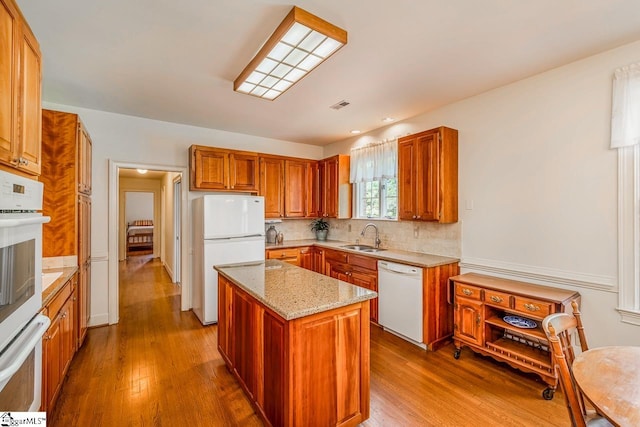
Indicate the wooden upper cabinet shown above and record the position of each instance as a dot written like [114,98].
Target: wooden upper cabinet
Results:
[222,170]
[20,92]
[428,176]
[335,188]
[295,196]
[313,190]
[272,186]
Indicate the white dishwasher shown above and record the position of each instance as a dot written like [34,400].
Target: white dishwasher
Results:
[400,300]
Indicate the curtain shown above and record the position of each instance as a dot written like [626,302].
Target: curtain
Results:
[374,161]
[625,114]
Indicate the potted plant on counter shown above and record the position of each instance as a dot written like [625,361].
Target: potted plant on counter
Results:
[321,227]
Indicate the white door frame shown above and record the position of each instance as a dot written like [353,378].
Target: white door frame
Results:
[177,230]
[113,207]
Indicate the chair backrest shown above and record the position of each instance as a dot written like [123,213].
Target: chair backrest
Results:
[558,327]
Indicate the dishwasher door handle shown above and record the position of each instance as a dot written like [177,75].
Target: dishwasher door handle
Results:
[398,268]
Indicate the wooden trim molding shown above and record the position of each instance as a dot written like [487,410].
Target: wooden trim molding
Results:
[629,234]
[541,275]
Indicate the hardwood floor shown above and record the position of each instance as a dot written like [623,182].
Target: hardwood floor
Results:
[159,366]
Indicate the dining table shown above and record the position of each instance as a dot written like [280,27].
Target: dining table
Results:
[609,377]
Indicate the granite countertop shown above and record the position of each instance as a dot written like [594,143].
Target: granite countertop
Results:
[291,291]
[50,291]
[394,255]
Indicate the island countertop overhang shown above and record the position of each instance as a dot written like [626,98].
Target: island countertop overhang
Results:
[293,292]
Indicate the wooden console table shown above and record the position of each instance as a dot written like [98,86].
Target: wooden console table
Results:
[480,307]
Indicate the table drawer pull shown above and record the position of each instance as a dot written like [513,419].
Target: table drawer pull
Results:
[467,291]
[532,307]
[496,299]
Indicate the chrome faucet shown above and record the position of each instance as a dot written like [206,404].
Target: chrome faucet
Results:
[377,241]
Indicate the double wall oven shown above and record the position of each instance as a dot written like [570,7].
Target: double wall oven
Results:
[21,327]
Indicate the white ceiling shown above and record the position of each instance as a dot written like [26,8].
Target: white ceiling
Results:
[176,60]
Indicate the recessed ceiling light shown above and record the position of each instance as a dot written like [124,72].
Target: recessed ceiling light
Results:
[388,119]
[142,171]
[356,131]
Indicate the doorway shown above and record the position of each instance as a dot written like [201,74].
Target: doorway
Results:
[168,227]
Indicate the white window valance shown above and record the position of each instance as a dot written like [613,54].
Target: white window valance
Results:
[374,161]
[625,111]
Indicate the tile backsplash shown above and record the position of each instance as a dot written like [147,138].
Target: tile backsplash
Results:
[414,236]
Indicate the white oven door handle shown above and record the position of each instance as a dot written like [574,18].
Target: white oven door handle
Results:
[17,222]
[17,352]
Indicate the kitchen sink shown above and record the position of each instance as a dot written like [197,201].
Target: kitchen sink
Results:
[362,248]
[357,247]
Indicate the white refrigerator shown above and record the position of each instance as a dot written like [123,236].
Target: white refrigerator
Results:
[227,229]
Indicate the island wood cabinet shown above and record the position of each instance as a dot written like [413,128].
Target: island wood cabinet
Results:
[66,175]
[480,309]
[59,342]
[355,269]
[222,170]
[312,370]
[20,93]
[335,189]
[287,187]
[428,176]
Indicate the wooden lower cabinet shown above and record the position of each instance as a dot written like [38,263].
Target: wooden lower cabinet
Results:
[313,370]
[480,308]
[301,257]
[59,342]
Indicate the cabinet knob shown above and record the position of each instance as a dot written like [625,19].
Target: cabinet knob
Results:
[418,217]
[467,291]
[478,320]
[414,217]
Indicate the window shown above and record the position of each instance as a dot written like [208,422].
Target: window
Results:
[373,173]
[377,199]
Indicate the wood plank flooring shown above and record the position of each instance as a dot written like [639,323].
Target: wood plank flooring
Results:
[160,367]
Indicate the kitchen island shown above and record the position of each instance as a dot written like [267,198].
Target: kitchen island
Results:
[297,341]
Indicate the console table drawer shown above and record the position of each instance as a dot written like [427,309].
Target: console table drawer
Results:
[532,307]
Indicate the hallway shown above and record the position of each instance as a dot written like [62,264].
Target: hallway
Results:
[158,366]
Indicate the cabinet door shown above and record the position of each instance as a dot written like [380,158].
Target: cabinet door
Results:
[428,184]
[52,348]
[85,149]
[407,179]
[295,196]
[337,270]
[330,188]
[367,280]
[313,190]
[84,302]
[306,258]
[30,104]
[468,325]
[245,335]
[67,331]
[209,169]
[318,260]
[243,172]
[225,299]
[84,229]
[9,31]
[272,186]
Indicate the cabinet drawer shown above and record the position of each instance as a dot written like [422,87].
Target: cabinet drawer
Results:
[335,255]
[468,291]
[497,298]
[366,262]
[58,301]
[532,307]
[282,253]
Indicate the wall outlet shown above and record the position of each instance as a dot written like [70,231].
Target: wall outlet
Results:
[349,228]
[416,232]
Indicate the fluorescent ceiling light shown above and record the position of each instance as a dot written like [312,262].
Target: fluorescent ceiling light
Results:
[142,171]
[388,119]
[300,43]
[356,131]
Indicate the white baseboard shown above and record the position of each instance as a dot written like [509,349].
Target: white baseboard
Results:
[99,320]
[541,275]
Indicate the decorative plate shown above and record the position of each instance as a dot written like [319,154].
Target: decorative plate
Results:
[520,322]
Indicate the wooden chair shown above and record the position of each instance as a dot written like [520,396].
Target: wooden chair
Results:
[558,327]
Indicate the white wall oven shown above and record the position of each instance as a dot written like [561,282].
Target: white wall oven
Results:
[21,327]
